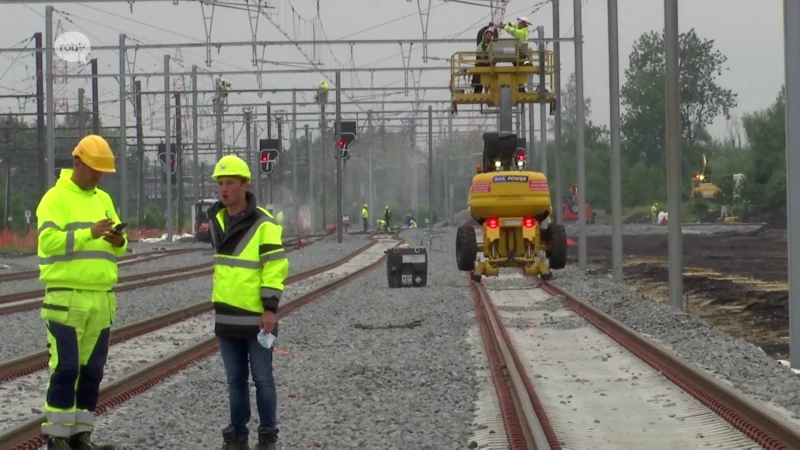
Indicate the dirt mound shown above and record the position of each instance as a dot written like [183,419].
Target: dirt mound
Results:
[637,219]
[738,282]
[775,219]
[710,217]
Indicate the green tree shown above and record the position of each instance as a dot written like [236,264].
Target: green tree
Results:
[597,149]
[643,96]
[765,185]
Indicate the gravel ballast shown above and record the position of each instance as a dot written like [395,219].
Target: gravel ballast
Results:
[734,361]
[342,386]
[140,304]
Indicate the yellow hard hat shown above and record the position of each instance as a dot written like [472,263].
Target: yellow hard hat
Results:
[95,152]
[231,166]
[366,206]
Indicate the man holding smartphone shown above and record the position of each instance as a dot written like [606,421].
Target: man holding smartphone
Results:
[78,249]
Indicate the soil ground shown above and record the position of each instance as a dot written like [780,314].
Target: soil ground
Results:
[736,282]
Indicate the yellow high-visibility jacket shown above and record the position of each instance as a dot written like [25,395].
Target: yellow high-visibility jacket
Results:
[68,255]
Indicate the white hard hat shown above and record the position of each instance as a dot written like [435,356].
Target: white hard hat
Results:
[523,19]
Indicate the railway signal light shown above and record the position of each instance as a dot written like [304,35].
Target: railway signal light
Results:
[492,223]
[347,136]
[269,155]
[171,167]
[266,164]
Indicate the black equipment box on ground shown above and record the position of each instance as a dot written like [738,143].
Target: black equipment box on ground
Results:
[407,267]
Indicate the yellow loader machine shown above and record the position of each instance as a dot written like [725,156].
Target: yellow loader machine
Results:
[512,204]
[702,187]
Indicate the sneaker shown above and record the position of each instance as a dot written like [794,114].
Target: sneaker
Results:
[58,443]
[267,440]
[231,442]
[83,441]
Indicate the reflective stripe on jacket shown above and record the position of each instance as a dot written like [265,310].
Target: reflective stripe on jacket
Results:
[68,255]
[250,269]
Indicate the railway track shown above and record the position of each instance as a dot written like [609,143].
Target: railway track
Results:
[598,384]
[124,261]
[18,301]
[27,435]
[34,362]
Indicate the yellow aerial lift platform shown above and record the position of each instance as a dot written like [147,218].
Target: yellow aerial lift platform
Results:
[514,71]
[511,203]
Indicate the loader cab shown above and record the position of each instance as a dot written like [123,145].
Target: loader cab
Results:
[500,151]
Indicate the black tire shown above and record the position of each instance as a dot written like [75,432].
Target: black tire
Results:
[466,248]
[558,246]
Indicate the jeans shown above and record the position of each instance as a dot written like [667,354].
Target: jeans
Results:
[236,353]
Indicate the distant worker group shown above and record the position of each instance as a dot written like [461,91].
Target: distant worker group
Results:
[486,37]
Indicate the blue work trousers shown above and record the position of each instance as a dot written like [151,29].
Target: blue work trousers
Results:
[242,357]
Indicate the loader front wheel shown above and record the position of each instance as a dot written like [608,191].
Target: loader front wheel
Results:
[466,248]
[558,246]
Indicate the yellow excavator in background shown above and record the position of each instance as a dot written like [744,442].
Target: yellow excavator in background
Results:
[702,187]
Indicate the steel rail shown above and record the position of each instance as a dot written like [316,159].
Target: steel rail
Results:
[757,422]
[28,435]
[150,279]
[528,427]
[34,362]
[129,260]
[137,258]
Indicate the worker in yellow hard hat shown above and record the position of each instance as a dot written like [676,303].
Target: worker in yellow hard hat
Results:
[250,270]
[80,239]
[387,217]
[321,96]
[365,217]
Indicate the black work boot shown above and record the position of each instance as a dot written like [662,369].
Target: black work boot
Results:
[231,442]
[58,443]
[83,441]
[267,439]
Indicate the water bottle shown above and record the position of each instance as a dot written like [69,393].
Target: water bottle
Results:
[266,339]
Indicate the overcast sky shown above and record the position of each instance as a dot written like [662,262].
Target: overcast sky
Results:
[750,33]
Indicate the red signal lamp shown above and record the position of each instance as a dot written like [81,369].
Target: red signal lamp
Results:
[529,222]
[492,223]
[341,143]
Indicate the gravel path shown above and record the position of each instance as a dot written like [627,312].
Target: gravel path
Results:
[13,264]
[730,359]
[416,392]
[140,304]
[646,229]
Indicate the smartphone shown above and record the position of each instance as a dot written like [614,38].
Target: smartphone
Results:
[119,227]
